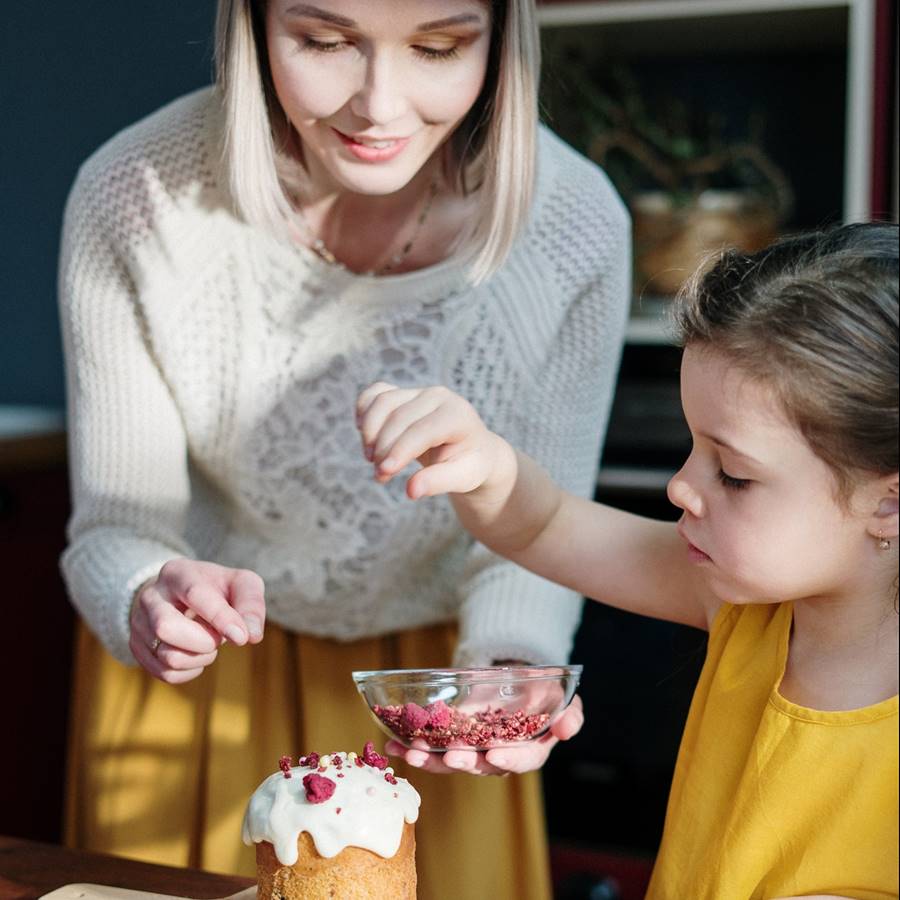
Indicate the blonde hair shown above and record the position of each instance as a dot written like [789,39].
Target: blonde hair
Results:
[492,151]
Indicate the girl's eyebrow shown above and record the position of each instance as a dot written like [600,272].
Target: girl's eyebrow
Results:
[722,443]
[305,9]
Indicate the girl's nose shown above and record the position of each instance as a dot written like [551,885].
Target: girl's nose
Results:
[380,100]
[682,494]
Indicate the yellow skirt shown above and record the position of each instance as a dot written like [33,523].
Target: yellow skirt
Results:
[163,773]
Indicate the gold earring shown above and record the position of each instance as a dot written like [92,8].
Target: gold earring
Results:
[883,542]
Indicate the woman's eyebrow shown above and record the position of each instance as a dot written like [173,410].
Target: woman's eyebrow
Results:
[462,19]
[305,9]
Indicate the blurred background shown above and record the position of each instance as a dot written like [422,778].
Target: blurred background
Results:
[719,121]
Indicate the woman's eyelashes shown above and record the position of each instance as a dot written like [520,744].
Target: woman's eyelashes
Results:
[309,43]
[430,54]
[435,53]
[733,484]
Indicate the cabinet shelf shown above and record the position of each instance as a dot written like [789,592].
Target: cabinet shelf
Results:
[641,29]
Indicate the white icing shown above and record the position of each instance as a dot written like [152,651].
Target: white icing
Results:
[372,811]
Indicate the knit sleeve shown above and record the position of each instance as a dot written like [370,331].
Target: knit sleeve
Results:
[582,243]
[127,447]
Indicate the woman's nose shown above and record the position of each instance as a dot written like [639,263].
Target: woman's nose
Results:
[380,99]
[682,494]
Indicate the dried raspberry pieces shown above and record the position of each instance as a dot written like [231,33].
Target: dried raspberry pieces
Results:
[318,787]
[371,758]
[443,727]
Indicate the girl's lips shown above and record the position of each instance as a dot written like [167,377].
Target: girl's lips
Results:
[694,553]
[373,151]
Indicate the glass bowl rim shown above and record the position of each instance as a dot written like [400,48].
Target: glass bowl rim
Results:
[478,675]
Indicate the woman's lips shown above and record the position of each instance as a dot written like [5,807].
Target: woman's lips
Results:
[372,150]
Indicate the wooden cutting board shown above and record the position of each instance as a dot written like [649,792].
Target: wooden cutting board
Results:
[101,892]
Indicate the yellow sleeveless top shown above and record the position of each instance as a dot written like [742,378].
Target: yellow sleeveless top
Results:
[770,799]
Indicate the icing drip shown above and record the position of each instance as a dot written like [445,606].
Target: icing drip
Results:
[372,808]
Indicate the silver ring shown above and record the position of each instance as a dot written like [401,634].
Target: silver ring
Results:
[154,646]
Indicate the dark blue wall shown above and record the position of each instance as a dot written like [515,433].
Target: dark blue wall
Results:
[73,74]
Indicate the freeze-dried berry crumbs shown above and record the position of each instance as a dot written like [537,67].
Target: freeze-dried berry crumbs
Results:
[312,761]
[438,714]
[359,762]
[371,758]
[336,760]
[322,769]
[389,778]
[318,788]
[450,727]
[284,763]
[340,774]
[413,716]
[338,810]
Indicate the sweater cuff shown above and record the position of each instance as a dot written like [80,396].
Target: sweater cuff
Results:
[102,577]
[511,613]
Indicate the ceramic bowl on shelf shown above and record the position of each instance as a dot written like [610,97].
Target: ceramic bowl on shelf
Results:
[471,709]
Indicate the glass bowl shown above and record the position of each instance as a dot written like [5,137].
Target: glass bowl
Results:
[470,709]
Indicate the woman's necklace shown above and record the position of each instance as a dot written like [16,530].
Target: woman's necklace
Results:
[317,245]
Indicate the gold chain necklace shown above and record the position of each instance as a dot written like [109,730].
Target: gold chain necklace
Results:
[317,245]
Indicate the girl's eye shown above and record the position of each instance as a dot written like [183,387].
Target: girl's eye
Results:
[733,484]
[433,53]
[324,46]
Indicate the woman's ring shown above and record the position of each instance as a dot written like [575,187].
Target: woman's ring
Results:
[154,646]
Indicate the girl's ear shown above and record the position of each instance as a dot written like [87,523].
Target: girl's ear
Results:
[885,520]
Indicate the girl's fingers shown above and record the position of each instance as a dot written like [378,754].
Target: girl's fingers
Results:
[418,417]
[456,476]
[364,401]
[379,406]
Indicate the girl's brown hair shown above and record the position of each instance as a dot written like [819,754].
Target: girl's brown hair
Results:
[814,316]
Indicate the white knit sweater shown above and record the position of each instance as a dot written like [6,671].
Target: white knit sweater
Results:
[212,376]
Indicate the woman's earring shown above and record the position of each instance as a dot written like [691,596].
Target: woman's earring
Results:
[883,542]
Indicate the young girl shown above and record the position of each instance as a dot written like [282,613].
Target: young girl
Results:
[786,782]
[365,194]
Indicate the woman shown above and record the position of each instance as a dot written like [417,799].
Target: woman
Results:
[364,195]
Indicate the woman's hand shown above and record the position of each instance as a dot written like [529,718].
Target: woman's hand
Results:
[501,761]
[181,618]
[433,425]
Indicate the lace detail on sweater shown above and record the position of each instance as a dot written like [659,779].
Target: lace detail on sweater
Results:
[245,358]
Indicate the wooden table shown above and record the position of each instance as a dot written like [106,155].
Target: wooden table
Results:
[28,870]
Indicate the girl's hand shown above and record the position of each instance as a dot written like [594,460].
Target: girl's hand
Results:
[501,761]
[181,618]
[433,425]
